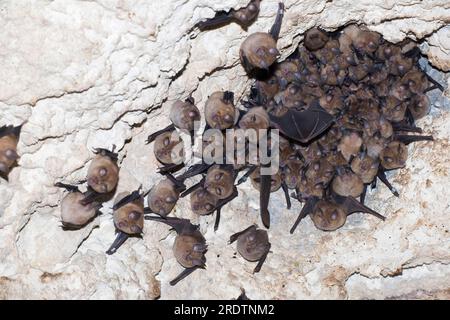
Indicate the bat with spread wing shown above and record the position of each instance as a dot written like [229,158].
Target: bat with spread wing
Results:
[303,125]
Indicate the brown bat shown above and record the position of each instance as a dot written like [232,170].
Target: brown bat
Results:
[220,112]
[164,195]
[9,137]
[259,50]
[189,247]
[253,245]
[103,172]
[75,213]
[183,115]
[315,39]
[128,218]
[244,17]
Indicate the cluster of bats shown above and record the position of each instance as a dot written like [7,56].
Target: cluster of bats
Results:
[344,102]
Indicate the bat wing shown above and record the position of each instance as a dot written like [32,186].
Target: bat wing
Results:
[180,225]
[303,125]
[352,205]
[264,196]
[307,209]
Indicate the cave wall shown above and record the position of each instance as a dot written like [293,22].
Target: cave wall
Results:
[86,74]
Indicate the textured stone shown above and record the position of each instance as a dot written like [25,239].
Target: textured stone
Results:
[87,74]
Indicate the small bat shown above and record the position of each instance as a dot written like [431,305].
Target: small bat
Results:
[189,247]
[303,125]
[75,213]
[220,112]
[315,39]
[253,245]
[9,137]
[128,218]
[164,195]
[259,50]
[103,172]
[347,183]
[183,115]
[244,17]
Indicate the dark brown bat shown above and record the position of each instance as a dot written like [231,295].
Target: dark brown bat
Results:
[9,137]
[365,167]
[253,245]
[255,118]
[220,112]
[189,247]
[287,72]
[244,17]
[315,39]
[103,172]
[128,218]
[74,213]
[259,50]
[394,155]
[303,125]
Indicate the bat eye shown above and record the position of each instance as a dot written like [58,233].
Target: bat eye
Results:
[170,199]
[228,118]
[11,154]
[218,176]
[134,215]
[192,114]
[123,224]
[219,191]
[274,51]
[166,142]
[334,215]
[102,172]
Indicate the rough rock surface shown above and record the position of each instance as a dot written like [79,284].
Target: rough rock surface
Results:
[87,74]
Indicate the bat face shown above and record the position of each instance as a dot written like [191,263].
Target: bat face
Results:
[259,51]
[346,183]
[103,174]
[163,197]
[268,88]
[320,172]
[130,217]
[168,148]
[287,72]
[256,118]
[328,216]
[365,167]
[374,145]
[419,106]
[394,155]
[219,113]
[203,202]
[350,144]
[247,15]
[220,181]
[315,39]
[74,215]
[307,188]
[183,114]
[292,173]
[416,81]
[189,250]
[394,109]
[275,181]
[303,126]
[8,152]
[252,244]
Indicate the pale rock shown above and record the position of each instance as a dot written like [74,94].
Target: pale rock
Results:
[87,74]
